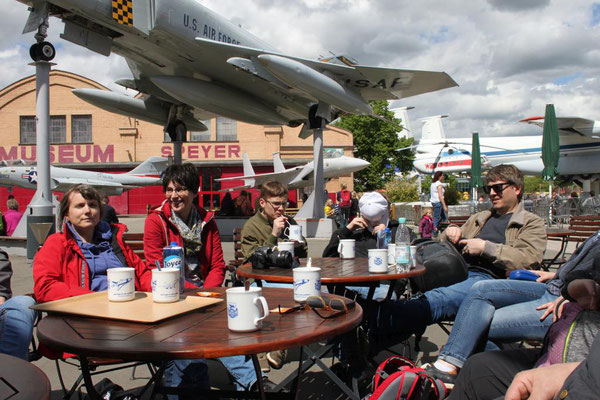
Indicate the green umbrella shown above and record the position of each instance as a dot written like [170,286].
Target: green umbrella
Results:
[550,145]
[476,162]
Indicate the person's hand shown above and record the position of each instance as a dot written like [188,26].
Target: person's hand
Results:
[543,275]
[357,223]
[2,300]
[278,226]
[446,209]
[542,383]
[453,233]
[378,228]
[555,307]
[473,247]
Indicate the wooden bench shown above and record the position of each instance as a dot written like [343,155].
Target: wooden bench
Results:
[136,242]
[583,226]
[232,265]
[454,220]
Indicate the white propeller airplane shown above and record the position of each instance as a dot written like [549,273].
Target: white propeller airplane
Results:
[146,174]
[579,149]
[192,64]
[297,177]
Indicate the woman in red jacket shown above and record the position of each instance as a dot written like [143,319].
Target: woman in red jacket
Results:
[74,261]
[193,228]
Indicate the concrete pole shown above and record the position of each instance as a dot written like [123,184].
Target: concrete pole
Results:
[318,211]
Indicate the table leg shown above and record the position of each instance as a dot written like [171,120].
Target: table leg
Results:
[87,379]
[561,251]
[259,381]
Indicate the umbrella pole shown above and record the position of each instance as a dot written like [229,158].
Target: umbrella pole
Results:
[550,204]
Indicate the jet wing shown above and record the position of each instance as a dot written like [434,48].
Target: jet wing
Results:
[581,126]
[277,176]
[372,83]
[60,184]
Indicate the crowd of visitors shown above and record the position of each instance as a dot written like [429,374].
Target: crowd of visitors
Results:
[489,308]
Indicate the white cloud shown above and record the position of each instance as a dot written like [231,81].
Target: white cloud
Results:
[510,57]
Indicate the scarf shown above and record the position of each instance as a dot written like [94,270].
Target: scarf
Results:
[192,237]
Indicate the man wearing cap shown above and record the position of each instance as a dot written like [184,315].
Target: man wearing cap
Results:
[374,217]
[493,243]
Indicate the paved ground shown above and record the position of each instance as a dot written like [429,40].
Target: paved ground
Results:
[314,383]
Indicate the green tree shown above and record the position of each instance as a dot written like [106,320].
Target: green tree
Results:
[376,141]
[402,189]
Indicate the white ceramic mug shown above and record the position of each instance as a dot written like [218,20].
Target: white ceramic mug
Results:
[243,311]
[307,282]
[165,285]
[346,248]
[287,246]
[378,261]
[391,253]
[295,233]
[121,284]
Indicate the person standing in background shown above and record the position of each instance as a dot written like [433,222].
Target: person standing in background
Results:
[109,213]
[426,224]
[344,198]
[440,209]
[354,210]
[12,216]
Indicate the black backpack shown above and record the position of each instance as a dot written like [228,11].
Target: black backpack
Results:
[444,266]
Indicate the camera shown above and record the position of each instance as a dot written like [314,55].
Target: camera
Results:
[265,257]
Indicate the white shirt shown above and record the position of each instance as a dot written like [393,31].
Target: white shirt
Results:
[434,197]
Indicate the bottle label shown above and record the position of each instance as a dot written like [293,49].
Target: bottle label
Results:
[172,262]
[402,254]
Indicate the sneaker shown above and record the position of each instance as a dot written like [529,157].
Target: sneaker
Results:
[267,384]
[448,378]
[277,358]
[263,362]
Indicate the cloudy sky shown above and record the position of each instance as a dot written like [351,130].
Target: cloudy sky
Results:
[510,57]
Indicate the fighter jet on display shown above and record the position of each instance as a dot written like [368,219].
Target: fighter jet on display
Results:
[579,149]
[192,64]
[297,177]
[146,174]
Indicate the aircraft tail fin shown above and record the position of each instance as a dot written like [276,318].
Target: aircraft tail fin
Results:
[433,129]
[152,167]
[277,163]
[402,114]
[248,170]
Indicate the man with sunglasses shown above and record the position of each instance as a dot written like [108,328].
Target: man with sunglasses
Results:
[493,243]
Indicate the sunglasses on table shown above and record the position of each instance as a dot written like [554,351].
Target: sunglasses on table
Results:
[324,307]
[498,187]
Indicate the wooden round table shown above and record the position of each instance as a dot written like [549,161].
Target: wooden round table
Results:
[199,334]
[333,271]
[21,380]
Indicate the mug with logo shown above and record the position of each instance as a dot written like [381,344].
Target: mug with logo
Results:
[295,233]
[121,284]
[346,248]
[246,309]
[307,282]
[378,261]
[165,285]
[287,246]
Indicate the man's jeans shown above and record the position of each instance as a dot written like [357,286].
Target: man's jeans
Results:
[502,310]
[16,326]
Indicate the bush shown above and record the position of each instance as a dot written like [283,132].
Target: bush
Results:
[402,190]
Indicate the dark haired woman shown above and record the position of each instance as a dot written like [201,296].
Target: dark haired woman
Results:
[194,229]
[440,209]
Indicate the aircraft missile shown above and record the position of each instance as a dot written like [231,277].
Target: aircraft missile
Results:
[220,100]
[147,110]
[320,86]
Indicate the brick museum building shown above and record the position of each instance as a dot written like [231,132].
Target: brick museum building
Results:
[85,137]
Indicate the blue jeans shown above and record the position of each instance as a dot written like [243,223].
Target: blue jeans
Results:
[380,292]
[439,215]
[507,305]
[16,326]
[444,302]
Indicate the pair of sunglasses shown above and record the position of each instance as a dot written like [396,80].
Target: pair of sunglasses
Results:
[324,307]
[498,187]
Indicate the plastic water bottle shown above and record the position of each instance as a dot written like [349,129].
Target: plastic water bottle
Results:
[173,258]
[384,238]
[402,246]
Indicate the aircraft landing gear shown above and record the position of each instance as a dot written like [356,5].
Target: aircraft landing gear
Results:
[43,51]
[177,131]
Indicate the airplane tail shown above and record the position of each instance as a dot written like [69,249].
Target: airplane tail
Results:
[152,167]
[433,129]
[402,114]
[277,163]
[248,170]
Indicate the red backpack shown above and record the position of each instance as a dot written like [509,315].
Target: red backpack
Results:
[399,378]
[345,198]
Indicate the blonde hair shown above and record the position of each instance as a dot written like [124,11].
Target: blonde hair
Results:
[426,210]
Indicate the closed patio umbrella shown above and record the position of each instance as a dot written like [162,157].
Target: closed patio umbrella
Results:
[550,150]
[476,181]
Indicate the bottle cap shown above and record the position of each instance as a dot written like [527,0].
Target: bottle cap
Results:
[173,243]
[401,220]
